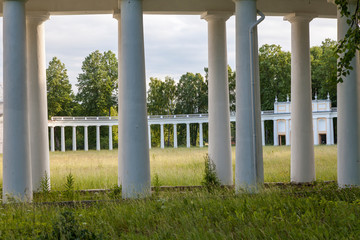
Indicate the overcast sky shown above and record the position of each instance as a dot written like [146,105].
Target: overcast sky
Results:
[174,44]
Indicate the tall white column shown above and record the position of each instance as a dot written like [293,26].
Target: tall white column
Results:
[175,136]
[302,140]
[332,142]
[201,137]
[263,132]
[86,139]
[348,121]
[162,145]
[97,138]
[219,111]
[16,159]
[276,136]
[316,131]
[37,97]
[287,136]
[62,138]
[188,135]
[328,131]
[249,164]
[110,138]
[74,138]
[134,156]
[149,134]
[52,139]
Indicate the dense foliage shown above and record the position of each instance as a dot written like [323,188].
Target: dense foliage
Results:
[59,93]
[350,44]
[97,85]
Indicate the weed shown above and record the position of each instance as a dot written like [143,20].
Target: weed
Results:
[66,226]
[69,186]
[156,183]
[210,180]
[115,192]
[45,184]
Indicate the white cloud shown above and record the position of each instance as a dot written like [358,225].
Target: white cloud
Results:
[174,44]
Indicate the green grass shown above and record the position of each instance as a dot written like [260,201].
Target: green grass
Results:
[319,211]
[174,167]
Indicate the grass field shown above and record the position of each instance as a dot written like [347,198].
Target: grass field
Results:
[319,211]
[182,166]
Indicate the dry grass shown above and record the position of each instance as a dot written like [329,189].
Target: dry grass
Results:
[182,166]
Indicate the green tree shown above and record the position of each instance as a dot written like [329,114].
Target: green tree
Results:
[97,85]
[192,98]
[192,94]
[161,100]
[161,96]
[232,92]
[323,70]
[275,75]
[59,94]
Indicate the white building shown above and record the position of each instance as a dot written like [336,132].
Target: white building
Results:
[25,90]
[323,125]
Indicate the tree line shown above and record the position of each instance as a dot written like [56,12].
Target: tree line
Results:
[97,90]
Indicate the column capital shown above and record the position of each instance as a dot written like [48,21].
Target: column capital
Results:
[37,17]
[299,17]
[117,14]
[216,15]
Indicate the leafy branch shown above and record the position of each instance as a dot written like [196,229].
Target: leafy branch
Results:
[347,47]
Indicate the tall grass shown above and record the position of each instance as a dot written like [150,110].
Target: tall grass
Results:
[273,214]
[174,167]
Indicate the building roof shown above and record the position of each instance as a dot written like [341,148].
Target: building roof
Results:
[320,8]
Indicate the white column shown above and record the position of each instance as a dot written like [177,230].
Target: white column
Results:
[332,142]
[62,138]
[149,134]
[74,138]
[276,136]
[219,112]
[37,97]
[86,139]
[188,135]
[175,136]
[117,16]
[110,138]
[201,137]
[328,131]
[16,158]
[316,131]
[162,145]
[52,137]
[348,122]
[249,165]
[287,136]
[302,140]
[97,138]
[263,132]
[134,162]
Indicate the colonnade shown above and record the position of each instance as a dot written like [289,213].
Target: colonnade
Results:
[175,134]
[74,133]
[26,160]
[323,120]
